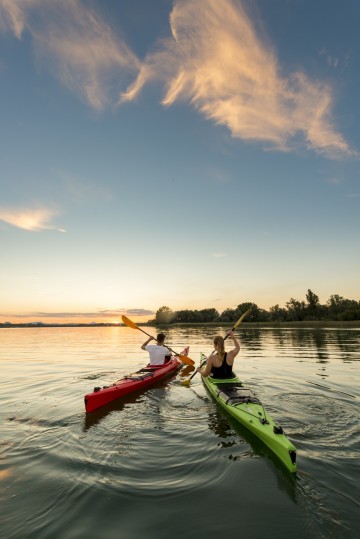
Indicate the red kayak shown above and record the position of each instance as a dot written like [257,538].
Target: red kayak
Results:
[145,377]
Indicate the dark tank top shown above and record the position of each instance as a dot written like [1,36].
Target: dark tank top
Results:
[224,371]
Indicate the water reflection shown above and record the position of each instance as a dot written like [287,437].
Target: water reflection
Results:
[170,449]
[241,444]
[348,348]
[93,419]
[303,344]
[155,396]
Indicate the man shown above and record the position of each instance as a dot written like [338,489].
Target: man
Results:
[158,352]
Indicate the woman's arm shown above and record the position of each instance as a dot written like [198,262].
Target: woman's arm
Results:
[206,370]
[234,352]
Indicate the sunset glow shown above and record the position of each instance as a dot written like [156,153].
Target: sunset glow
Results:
[194,154]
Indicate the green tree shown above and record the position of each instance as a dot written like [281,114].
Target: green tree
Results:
[229,315]
[340,308]
[296,309]
[208,315]
[164,315]
[277,313]
[312,304]
[186,316]
[256,314]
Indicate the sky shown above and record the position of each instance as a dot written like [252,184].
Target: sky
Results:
[187,153]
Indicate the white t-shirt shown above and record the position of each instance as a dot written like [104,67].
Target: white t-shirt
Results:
[157,353]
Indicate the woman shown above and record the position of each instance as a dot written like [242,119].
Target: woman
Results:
[219,363]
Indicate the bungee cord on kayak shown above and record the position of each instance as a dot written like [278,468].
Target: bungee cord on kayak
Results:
[141,379]
[219,379]
[242,403]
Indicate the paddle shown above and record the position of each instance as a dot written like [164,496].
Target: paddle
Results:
[187,382]
[186,371]
[132,325]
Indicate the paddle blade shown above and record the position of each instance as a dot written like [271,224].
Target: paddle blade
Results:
[186,383]
[186,371]
[242,317]
[186,360]
[129,322]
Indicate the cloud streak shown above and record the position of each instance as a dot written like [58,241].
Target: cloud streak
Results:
[29,219]
[94,314]
[215,60]
[75,44]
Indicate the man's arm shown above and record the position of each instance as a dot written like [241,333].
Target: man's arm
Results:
[147,342]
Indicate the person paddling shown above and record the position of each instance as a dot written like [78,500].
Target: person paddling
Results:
[159,354]
[219,363]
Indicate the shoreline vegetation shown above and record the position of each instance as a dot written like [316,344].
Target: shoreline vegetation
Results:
[299,324]
[337,311]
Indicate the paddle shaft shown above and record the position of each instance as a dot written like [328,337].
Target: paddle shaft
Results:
[226,336]
[203,363]
[131,324]
[168,347]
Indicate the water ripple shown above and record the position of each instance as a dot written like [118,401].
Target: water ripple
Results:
[166,455]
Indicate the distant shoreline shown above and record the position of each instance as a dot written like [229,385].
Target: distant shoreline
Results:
[303,324]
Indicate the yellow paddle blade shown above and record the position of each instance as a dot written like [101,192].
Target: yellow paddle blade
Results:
[186,383]
[242,317]
[186,360]
[129,322]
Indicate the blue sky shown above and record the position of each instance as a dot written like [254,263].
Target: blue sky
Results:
[189,153]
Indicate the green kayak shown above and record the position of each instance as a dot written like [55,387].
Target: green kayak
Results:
[247,409]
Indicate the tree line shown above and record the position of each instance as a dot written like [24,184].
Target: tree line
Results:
[337,308]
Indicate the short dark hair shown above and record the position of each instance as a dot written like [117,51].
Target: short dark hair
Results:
[160,337]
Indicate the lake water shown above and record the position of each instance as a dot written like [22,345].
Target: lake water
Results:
[169,462]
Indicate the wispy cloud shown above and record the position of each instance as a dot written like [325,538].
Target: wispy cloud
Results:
[94,314]
[218,255]
[30,219]
[332,61]
[336,61]
[216,61]
[82,189]
[76,44]
[12,15]
[334,180]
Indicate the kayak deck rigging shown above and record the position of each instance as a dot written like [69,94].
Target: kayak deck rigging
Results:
[242,403]
[144,377]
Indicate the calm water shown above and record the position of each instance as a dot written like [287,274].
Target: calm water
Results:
[169,462]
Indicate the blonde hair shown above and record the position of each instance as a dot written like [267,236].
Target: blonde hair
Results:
[219,346]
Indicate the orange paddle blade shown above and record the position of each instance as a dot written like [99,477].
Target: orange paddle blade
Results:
[187,371]
[129,322]
[186,360]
